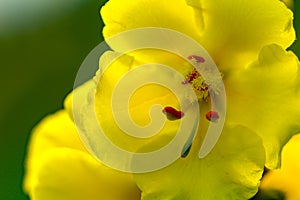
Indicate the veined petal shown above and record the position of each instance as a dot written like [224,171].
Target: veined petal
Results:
[265,97]
[54,131]
[119,16]
[232,170]
[72,174]
[286,179]
[235,31]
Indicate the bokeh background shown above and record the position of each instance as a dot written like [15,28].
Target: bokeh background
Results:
[42,45]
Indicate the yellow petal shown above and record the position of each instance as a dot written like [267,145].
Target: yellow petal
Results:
[54,131]
[54,149]
[140,102]
[286,179]
[120,15]
[72,174]
[98,118]
[232,170]
[235,31]
[80,91]
[265,97]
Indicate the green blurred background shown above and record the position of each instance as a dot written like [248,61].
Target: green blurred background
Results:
[42,45]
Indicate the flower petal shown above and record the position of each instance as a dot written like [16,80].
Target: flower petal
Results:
[232,170]
[54,149]
[71,174]
[265,97]
[286,179]
[54,131]
[119,16]
[235,31]
[81,91]
[141,101]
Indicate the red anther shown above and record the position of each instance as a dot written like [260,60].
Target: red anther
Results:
[212,116]
[191,76]
[172,113]
[198,59]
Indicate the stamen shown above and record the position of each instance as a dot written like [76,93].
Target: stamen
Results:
[172,113]
[191,76]
[212,116]
[196,58]
[194,78]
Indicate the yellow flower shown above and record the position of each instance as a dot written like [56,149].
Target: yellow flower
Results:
[246,40]
[286,179]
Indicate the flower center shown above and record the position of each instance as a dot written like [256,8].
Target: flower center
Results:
[201,86]
[198,83]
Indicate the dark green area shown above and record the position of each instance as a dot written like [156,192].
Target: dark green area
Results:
[269,195]
[296,46]
[37,70]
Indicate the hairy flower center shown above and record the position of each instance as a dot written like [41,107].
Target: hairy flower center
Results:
[198,83]
[201,86]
